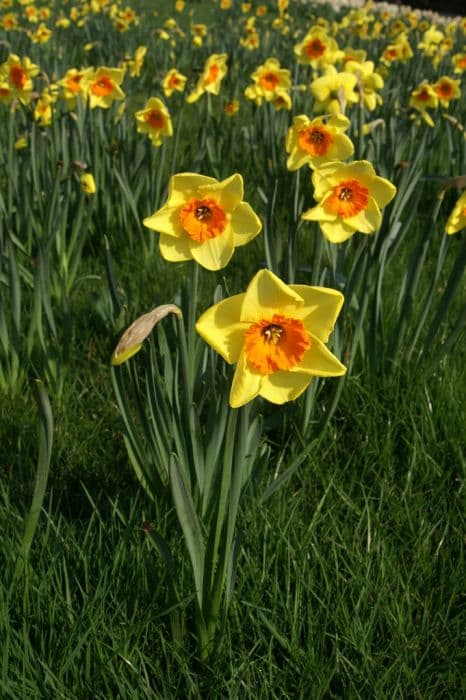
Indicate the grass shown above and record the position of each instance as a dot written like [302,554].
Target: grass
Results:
[348,585]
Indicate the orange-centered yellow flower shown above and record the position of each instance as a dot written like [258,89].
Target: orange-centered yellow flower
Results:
[104,87]
[204,219]
[215,69]
[318,141]
[173,80]
[276,333]
[154,120]
[349,196]
[268,80]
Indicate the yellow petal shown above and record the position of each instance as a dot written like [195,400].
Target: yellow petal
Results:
[245,224]
[318,213]
[185,185]
[369,219]
[215,253]
[266,295]
[245,385]
[220,327]
[318,361]
[337,231]
[166,220]
[383,191]
[284,386]
[229,192]
[174,249]
[320,310]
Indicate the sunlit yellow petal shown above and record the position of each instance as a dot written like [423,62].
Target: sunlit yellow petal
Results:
[245,385]
[245,223]
[214,253]
[220,327]
[166,220]
[267,294]
[320,310]
[284,386]
[319,361]
[229,192]
[337,231]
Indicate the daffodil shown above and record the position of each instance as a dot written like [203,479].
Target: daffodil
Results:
[457,219]
[447,89]
[215,69]
[317,49]
[369,82]
[268,79]
[334,90]
[154,120]
[276,334]
[350,197]
[204,219]
[73,84]
[18,73]
[317,141]
[103,87]
[173,80]
[423,97]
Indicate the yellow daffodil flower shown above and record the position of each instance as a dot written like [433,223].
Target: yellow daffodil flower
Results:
[104,87]
[276,335]
[268,79]
[368,83]
[154,120]
[19,73]
[459,62]
[333,91]
[447,89]
[350,197]
[317,49]
[173,80]
[74,83]
[423,97]
[457,219]
[215,69]
[204,219]
[318,141]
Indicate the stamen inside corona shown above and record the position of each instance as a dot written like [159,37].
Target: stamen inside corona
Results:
[276,344]
[203,219]
[348,199]
[315,140]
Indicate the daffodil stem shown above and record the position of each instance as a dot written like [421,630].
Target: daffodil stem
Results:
[192,293]
[360,130]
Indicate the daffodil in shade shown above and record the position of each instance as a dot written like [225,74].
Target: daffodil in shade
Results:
[317,141]
[276,333]
[457,219]
[154,120]
[204,219]
[350,197]
[215,69]
[103,87]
